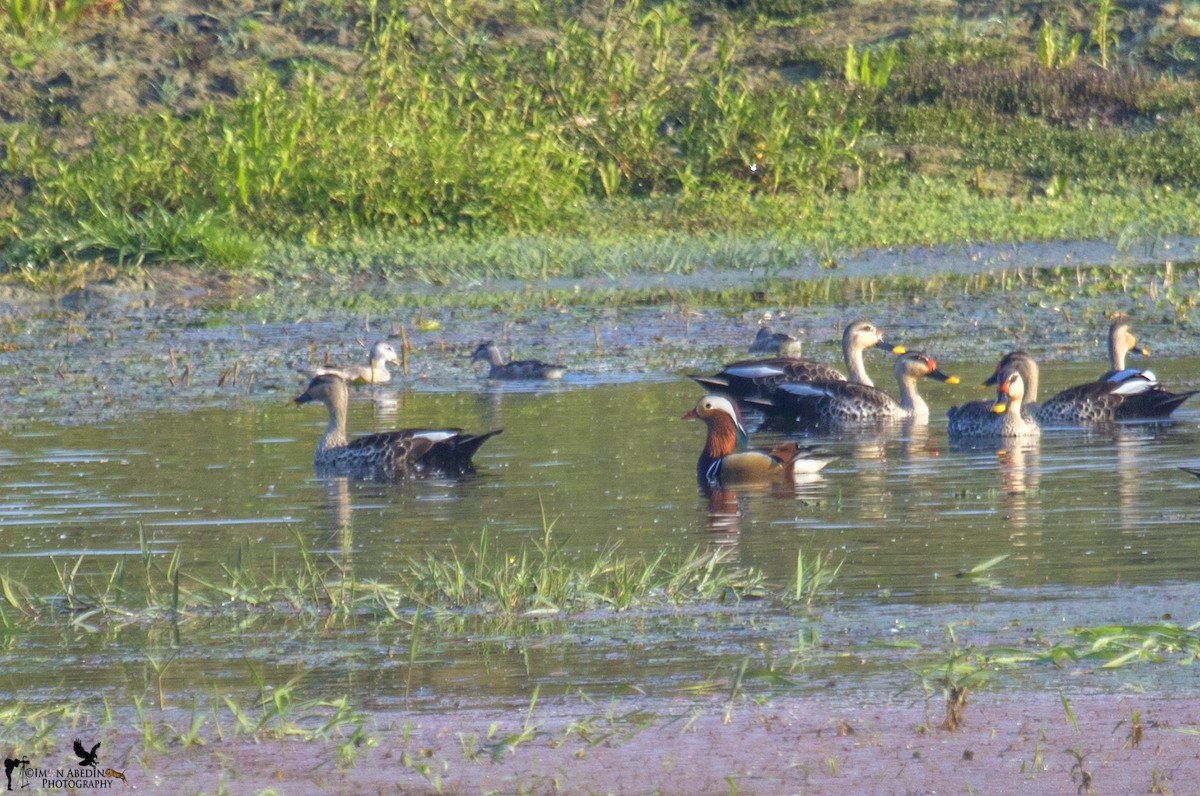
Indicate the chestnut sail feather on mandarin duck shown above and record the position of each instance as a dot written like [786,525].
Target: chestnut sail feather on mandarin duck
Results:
[755,377]
[374,372]
[389,455]
[517,369]
[722,463]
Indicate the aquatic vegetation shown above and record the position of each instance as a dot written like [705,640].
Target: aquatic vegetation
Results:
[539,580]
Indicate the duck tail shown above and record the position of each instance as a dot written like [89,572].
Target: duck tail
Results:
[466,445]
[1154,403]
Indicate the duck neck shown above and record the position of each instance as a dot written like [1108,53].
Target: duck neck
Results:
[493,356]
[910,400]
[1116,351]
[335,432]
[1013,420]
[379,371]
[722,438]
[854,363]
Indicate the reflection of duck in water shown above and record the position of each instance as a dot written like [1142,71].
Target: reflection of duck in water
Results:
[755,377]
[1125,395]
[840,402]
[517,369]
[388,455]
[722,464]
[374,372]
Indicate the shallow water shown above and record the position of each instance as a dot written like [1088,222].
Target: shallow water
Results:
[1100,526]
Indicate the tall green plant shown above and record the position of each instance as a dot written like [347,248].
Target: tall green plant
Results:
[1102,34]
[859,71]
[1054,50]
[27,17]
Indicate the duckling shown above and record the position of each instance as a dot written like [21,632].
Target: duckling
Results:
[517,369]
[722,464]
[840,402]
[755,377]
[375,372]
[389,455]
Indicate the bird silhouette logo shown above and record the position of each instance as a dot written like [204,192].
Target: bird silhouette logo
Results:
[86,758]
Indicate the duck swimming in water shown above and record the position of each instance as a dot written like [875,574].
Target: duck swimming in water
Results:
[374,372]
[755,377]
[781,344]
[1125,395]
[517,369]
[389,455]
[722,463]
[841,402]
[1004,417]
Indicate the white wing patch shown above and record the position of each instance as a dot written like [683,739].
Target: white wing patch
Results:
[753,371]
[436,435]
[805,389]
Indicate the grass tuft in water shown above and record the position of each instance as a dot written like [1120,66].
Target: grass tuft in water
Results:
[541,578]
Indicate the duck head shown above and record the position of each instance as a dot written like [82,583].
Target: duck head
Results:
[725,430]
[383,351]
[1010,389]
[323,388]
[862,334]
[916,364]
[486,351]
[1122,340]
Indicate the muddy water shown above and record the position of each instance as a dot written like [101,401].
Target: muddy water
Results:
[1099,527]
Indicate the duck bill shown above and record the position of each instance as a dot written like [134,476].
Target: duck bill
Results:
[942,377]
[690,415]
[1001,405]
[993,379]
[886,346]
[302,398]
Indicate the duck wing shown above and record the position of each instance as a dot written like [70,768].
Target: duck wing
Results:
[830,402]
[1136,396]
[756,377]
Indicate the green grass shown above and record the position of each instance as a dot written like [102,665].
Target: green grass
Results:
[539,579]
[631,139]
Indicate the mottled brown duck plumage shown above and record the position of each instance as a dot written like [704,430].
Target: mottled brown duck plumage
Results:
[389,455]
[749,378]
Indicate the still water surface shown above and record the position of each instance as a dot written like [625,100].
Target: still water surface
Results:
[1099,523]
